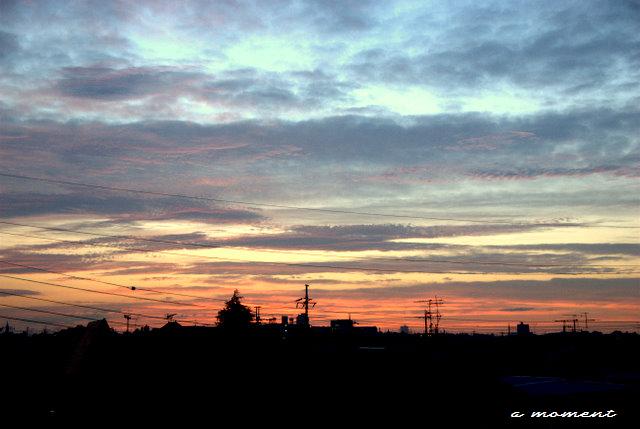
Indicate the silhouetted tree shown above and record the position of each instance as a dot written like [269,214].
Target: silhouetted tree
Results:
[235,315]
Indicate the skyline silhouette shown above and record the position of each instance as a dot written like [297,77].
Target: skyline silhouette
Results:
[346,368]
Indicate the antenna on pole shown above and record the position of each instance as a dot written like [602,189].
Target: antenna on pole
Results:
[431,328]
[586,320]
[565,322]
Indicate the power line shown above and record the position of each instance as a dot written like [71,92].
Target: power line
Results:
[493,322]
[93,290]
[55,313]
[272,205]
[119,237]
[614,322]
[243,260]
[21,319]
[291,264]
[90,307]
[218,246]
[111,283]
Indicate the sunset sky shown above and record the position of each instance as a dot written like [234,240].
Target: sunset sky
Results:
[487,152]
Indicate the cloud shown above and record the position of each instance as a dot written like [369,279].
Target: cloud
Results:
[374,236]
[572,48]
[532,173]
[296,103]
[627,249]
[434,257]
[180,59]
[455,162]
[335,16]
[120,208]
[581,141]
[104,83]
[8,44]
[558,289]
[17,292]
[163,88]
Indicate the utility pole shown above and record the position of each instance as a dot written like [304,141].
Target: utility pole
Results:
[438,315]
[128,317]
[304,303]
[258,307]
[427,321]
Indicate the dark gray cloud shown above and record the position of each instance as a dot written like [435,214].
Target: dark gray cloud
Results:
[595,140]
[627,249]
[336,16]
[105,83]
[571,47]
[327,17]
[569,259]
[248,88]
[8,44]
[17,292]
[574,289]
[374,237]
[339,156]
[120,208]
[632,170]
[296,90]
[517,309]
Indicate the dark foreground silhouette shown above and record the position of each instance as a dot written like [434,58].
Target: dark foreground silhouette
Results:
[91,375]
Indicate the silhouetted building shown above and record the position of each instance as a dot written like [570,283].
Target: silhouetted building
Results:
[99,327]
[302,320]
[171,326]
[342,325]
[404,329]
[348,326]
[523,329]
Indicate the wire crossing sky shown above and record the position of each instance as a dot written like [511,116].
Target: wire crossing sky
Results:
[383,152]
